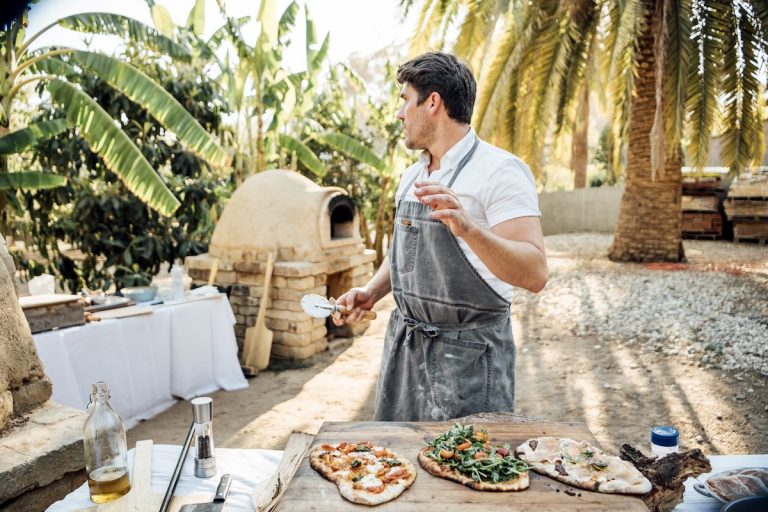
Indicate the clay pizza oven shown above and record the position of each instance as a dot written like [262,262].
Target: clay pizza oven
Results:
[313,233]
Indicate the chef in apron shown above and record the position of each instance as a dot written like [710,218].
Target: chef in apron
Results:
[467,231]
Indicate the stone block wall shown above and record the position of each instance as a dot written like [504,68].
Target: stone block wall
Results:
[296,335]
[23,383]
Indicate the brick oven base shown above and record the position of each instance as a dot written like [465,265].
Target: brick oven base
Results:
[296,335]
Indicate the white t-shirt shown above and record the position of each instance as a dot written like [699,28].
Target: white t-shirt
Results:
[494,186]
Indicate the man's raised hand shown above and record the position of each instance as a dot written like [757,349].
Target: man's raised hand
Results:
[358,300]
[445,205]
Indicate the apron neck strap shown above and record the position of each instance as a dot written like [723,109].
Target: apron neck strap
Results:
[465,159]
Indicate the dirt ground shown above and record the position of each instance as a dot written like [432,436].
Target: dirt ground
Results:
[618,390]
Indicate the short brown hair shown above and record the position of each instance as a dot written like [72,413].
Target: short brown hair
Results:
[446,75]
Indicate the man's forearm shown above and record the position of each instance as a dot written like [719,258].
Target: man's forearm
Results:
[520,264]
[381,283]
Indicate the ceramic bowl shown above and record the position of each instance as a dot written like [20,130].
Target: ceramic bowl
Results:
[139,293]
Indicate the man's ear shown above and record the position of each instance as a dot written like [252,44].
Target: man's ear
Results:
[434,102]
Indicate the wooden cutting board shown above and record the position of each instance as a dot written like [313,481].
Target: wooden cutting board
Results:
[308,491]
[141,497]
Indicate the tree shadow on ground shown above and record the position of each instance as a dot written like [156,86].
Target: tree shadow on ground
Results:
[621,391]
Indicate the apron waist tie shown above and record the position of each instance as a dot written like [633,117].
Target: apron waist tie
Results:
[433,331]
[414,325]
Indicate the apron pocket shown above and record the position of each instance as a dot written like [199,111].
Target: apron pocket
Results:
[461,375]
[406,238]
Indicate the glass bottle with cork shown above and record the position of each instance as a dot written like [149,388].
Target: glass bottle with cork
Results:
[106,453]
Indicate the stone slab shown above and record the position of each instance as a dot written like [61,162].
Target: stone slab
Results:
[30,395]
[41,451]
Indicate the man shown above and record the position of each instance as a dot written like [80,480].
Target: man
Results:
[467,231]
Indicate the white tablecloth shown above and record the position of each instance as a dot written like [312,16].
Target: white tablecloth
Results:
[247,468]
[182,349]
[250,467]
[695,502]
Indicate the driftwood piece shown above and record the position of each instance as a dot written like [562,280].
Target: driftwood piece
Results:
[267,494]
[666,474]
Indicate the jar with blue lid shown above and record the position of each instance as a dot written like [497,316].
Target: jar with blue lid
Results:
[664,440]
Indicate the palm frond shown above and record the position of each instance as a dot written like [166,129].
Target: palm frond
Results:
[621,67]
[518,32]
[159,102]
[704,76]
[126,28]
[583,32]
[479,22]
[740,87]
[34,133]
[431,18]
[679,55]
[621,29]
[114,147]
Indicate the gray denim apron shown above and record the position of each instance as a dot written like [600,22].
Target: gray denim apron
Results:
[448,351]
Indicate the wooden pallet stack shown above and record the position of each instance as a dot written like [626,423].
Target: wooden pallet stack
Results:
[747,207]
[702,207]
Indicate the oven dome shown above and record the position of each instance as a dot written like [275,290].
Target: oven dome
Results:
[284,212]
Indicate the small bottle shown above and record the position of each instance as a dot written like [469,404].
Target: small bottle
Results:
[106,453]
[205,458]
[177,281]
[664,440]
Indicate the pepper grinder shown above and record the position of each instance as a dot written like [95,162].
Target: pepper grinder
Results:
[205,459]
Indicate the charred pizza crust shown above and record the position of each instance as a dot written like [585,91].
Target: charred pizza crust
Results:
[371,476]
[582,465]
[449,473]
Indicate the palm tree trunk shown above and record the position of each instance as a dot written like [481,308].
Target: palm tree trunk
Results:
[579,146]
[650,218]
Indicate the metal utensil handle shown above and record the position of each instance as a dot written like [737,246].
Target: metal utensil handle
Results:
[703,489]
[223,489]
[369,315]
[177,470]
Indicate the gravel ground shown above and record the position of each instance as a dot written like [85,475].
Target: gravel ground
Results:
[711,311]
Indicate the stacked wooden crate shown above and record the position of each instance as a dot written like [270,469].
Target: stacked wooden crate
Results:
[747,207]
[702,207]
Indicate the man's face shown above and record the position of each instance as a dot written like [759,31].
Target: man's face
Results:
[417,123]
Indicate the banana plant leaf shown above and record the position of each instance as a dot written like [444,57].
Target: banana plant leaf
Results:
[55,66]
[352,148]
[18,141]
[30,180]
[113,145]
[302,152]
[162,20]
[196,19]
[159,102]
[126,28]
[287,21]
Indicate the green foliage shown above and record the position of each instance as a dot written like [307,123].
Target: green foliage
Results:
[603,160]
[530,71]
[59,70]
[119,239]
[18,141]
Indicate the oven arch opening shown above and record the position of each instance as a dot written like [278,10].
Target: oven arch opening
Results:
[342,211]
